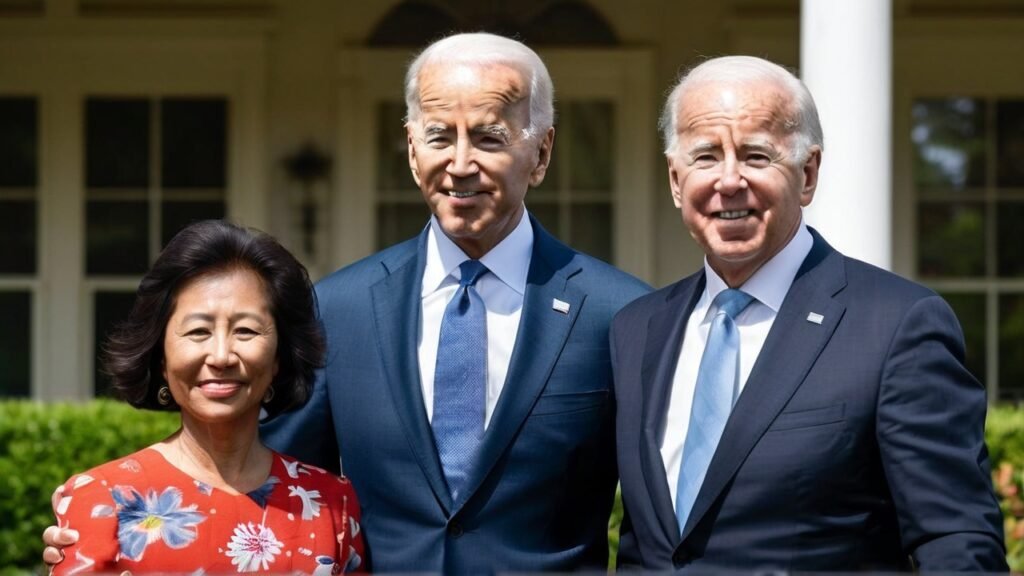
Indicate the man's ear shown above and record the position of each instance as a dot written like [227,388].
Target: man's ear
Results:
[543,158]
[673,182]
[810,169]
[411,144]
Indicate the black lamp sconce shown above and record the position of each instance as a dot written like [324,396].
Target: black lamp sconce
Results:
[308,165]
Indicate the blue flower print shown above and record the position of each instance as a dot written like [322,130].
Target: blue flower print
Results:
[143,520]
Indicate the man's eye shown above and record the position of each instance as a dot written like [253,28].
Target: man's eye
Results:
[758,160]
[437,141]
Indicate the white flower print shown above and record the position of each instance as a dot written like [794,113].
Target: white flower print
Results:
[310,502]
[294,468]
[253,547]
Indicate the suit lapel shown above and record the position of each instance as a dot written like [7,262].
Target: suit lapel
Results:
[396,310]
[665,331]
[539,341]
[792,346]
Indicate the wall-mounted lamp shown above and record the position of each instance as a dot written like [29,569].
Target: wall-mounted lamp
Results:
[308,165]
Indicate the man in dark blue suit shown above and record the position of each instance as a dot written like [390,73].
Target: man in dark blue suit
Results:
[787,407]
[538,478]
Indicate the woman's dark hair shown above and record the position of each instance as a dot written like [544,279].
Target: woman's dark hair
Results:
[134,353]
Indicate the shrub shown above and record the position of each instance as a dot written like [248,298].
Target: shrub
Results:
[1004,433]
[41,445]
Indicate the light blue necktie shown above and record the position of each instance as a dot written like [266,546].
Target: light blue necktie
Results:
[460,378]
[713,397]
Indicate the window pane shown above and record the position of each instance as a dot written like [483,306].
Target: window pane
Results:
[194,143]
[177,215]
[592,134]
[970,311]
[398,222]
[15,350]
[592,230]
[948,137]
[117,237]
[392,148]
[109,308]
[547,214]
[951,239]
[18,237]
[117,143]
[1010,135]
[19,144]
[1011,346]
[1010,238]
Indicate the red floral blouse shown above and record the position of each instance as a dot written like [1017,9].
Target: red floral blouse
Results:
[140,513]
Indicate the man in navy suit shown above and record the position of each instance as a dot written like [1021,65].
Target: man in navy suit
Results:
[537,480]
[539,485]
[787,407]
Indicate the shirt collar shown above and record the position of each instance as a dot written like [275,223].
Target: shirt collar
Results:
[509,261]
[770,282]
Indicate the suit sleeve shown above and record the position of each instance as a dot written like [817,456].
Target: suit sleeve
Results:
[307,434]
[931,436]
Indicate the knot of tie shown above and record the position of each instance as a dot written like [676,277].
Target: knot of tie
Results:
[471,270]
[732,301]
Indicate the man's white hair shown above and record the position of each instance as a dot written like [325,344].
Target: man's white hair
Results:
[483,49]
[805,125]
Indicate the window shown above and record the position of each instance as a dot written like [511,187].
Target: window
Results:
[152,166]
[19,169]
[969,182]
[575,200]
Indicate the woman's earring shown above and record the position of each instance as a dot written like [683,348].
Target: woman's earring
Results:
[163,396]
[269,396]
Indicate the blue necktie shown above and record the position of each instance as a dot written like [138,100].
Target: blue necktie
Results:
[713,397]
[460,378]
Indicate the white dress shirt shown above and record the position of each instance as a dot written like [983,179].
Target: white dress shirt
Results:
[768,286]
[501,290]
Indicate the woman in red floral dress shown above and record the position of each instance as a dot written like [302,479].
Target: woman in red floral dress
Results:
[223,326]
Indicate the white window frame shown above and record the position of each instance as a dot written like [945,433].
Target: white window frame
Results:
[63,61]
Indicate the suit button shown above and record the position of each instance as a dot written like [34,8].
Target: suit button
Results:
[455,529]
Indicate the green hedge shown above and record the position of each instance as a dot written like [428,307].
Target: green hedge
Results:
[41,445]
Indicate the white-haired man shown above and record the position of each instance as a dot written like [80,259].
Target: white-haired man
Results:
[786,407]
[467,389]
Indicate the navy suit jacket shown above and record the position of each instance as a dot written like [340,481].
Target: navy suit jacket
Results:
[540,493]
[858,441]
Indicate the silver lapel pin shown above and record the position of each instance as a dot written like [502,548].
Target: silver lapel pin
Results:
[560,306]
[815,317]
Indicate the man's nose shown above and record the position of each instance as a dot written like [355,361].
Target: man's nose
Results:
[731,179]
[463,163]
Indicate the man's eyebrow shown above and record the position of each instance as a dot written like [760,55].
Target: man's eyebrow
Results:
[435,128]
[493,130]
[703,146]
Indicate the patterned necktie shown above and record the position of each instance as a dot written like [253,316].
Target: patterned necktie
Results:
[713,397]
[460,378]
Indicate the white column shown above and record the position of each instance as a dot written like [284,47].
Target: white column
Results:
[846,61]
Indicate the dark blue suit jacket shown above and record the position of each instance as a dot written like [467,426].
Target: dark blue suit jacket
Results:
[857,441]
[541,491]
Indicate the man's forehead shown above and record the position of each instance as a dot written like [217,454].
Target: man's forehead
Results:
[754,106]
[492,80]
